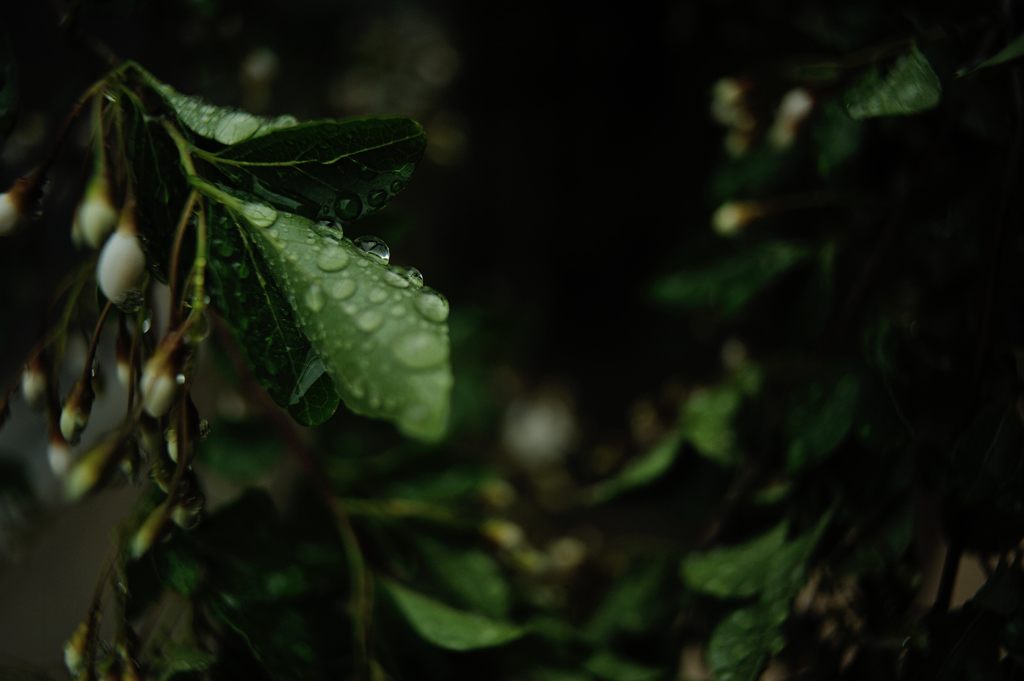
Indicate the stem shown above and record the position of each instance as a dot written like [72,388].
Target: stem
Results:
[91,355]
[179,237]
[950,567]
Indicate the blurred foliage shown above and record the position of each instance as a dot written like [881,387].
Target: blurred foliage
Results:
[819,378]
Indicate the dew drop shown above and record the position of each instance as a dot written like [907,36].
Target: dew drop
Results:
[415,277]
[432,306]
[315,298]
[332,259]
[332,227]
[377,198]
[292,256]
[348,206]
[374,246]
[369,321]
[398,311]
[274,234]
[351,309]
[259,214]
[420,350]
[396,279]
[340,289]
[378,295]
[397,186]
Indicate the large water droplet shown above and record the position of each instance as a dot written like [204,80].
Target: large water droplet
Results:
[432,306]
[369,321]
[420,350]
[378,295]
[398,311]
[332,227]
[315,298]
[374,246]
[397,186]
[259,214]
[415,277]
[348,206]
[395,279]
[332,258]
[377,198]
[340,289]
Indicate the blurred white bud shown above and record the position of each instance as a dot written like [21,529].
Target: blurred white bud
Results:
[96,216]
[795,107]
[122,265]
[732,216]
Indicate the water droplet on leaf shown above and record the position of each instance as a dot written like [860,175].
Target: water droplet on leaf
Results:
[259,214]
[340,289]
[378,295]
[432,306]
[315,298]
[420,350]
[332,258]
[374,246]
[396,279]
[348,206]
[377,198]
[369,321]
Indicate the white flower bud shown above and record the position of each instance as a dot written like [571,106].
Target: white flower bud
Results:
[733,216]
[121,266]
[795,107]
[58,454]
[504,534]
[75,414]
[150,531]
[159,387]
[94,467]
[74,649]
[96,216]
[12,215]
[33,385]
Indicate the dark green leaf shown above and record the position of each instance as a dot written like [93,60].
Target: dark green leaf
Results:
[341,170]
[610,667]
[631,604]
[707,415]
[262,321]
[837,136]
[820,417]
[736,571]
[447,627]
[909,87]
[1010,53]
[380,334]
[642,470]
[551,674]
[471,576]
[8,88]
[179,659]
[742,642]
[729,284]
[177,566]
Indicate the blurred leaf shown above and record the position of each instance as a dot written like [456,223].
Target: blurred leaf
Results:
[471,576]
[730,283]
[447,627]
[707,415]
[821,415]
[643,470]
[180,659]
[756,173]
[631,604]
[742,642]
[380,334]
[738,571]
[551,674]
[1010,53]
[177,566]
[909,87]
[263,323]
[837,136]
[240,451]
[341,170]
[610,667]
[8,88]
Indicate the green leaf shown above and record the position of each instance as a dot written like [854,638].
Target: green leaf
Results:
[471,576]
[1010,53]
[737,571]
[552,674]
[177,566]
[707,415]
[741,643]
[837,137]
[380,334]
[730,283]
[910,87]
[642,470]
[240,451]
[8,88]
[177,659]
[221,124]
[340,170]
[631,605]
[263,324]
[610,667]
[447,627]
[820,417]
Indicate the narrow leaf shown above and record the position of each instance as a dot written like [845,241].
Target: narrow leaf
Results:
[910,87]
[820,417]
[447,627]
[643,470]
[1010,53]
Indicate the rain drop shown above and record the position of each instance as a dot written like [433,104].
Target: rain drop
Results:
[374,246]
[397,186]
[340,289]
[420,350]
[398,311]
[348,206]
[432,306]
[415,277]
[370,321]
[378,295]
[377,198]
[315,298]
[259,214]
[332,259]
[396,279]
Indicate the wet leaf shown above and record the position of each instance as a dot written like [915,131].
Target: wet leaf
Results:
[707,415]
[735,571]
[741,643]
[610,667]
[909,87]
[262,321]
[837,137]
[642,470]
[181,659]
[340,170]
[471,576]
[447,627]
[730,283]
[380,334]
